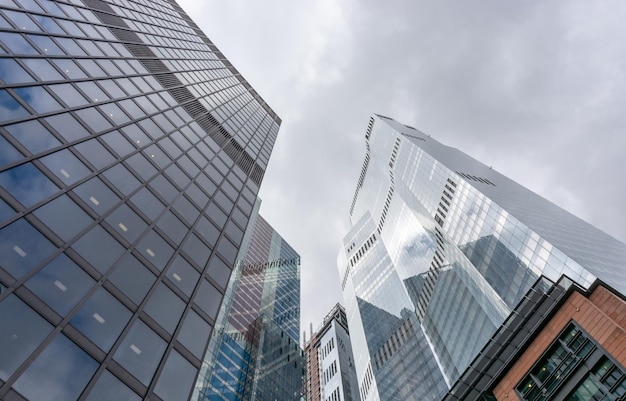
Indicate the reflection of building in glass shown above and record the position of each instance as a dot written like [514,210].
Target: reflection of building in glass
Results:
[442,248]
[255,353]
[560,343]
[330,364]
[131,153]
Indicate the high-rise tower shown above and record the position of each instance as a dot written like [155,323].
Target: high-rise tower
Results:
[131,153]
[441,250]
[255,353]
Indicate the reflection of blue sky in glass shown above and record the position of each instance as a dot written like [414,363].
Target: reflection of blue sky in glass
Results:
[17,44]
[22,248]
[27,184]
[38,99]
[60,372]
[8,154]
[12,73]
[33,136]
[10,109]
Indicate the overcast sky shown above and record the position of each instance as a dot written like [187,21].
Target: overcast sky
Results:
[537,89]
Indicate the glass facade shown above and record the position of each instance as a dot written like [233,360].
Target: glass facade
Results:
[441,249]
[255,352]
[131,154]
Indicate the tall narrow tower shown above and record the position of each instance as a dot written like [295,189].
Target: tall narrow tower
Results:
[442,248]
[131,154]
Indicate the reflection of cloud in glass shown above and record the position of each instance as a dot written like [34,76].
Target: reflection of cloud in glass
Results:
[8,153]
[39,99]
[27,184]
[33,136]
[17,44]
[10,109]
[12,73]
[60,372]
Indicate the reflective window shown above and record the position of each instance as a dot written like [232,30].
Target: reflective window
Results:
[122,179]
[9,108]
[126,222]
[6,211]
[219,271]
[208,298]
[227,250]
[67,126]
[68,94]
[39,99]
[118,143]
[186,209]
[66,166]
[140,352]
[8,154]
[97,195]
[216,215]
[23,247]
[147,203]
[132,278]
[164,188]
[33,136]
[110,388]
[44,70]
[71,70]
[93,119]
[194,333]
[165,307]
[155,249]
[197,249]
[141,166]
[17,44]
[102,319]
[64,217]
[183,275]
[95,153]
[72,370]
[176,378]
[60,284]
[46,44]
[22,331]
[12,73]
[172,227]
[99,249]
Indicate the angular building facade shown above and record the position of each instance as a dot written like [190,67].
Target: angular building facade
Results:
[131,154]
[330,363]
[254,353]
[441,250]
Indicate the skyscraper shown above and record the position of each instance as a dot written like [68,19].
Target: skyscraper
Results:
[254,353]
[131,153]
[442,248]
[330,364]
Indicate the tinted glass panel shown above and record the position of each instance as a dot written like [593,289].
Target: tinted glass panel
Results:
[27,184]
[194,333]
[132,278]
[140,352]
[183,275]
[208,298]
[72,371]
[33,136]
[99,249]
[64,217]
[176,378]
[165,307]
[22,248]
[110,388]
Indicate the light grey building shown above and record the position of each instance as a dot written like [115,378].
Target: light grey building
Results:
[441,250]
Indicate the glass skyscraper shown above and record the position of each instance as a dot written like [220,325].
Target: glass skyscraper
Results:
[131,154]
[254,353]
[441,250]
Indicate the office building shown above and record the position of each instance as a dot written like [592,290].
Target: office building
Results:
[330,364]
[254,353]
[561,342]
[442,248]
[131,154]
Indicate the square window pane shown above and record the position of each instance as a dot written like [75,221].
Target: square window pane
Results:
[60,284]
[27,184]
[155,249]
[122,179]
[8,154]
[197,249]
[34,136]
[44,70]
[165,307]
[219,271]
[66,166]
[140,352]
[64,217]
[126,222]
[132,278]
[172,227]
[176,378]
[147,203]
[72,371]
[208,298]
[67,126]
[102,319]
[12,73]
[22,248]
[183,275]
[39,99]
[194,333]
[95,153]
[22,331]
[99,249]
[98,196]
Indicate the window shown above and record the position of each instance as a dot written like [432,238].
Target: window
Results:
[165,307]
[23,247]
[140,352]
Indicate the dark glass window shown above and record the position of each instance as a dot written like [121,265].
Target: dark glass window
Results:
[126,222]
[176,378]
[183,275]
[97,195]
[140,352]
[132,278]
[8,154]
[22,330]
[9,108]
[6,211]
[164,188]
[186,209]
[141,166]
[110,388]
[99,249]
[44,70]
[165,307]
[39,99]
[227,250]
[172,227]
[17,44]
[216,215]
[102,319]
[198,251]
[122,179]
[155,249]
[194,333]
[60,372]
[66,166]
[118,143]
[219,271]
[68,94]
[67,126]
[22,248]
[33,136]
[60,284]
[92,117]
[95,153]
[12,73]
[147,203]
[71,70]
[64,217]
[208,298]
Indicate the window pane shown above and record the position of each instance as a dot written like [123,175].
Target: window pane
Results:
[60,284]
[165,307]
[176,378]
[12,73]
[197,249]
[140,352]
[148,203]
[39,99]
[155,249]
[219,271]
[183,275]
[132,278]
[67,126]
[22,248]
[34,136]
[173,227]
[194,333]
[66,166]
[208,298]
[60,372]
[95,153]
[8,154]
[126,222]
[98,196]
[22,331]
[102,319]
[64,217]
[110,388]
[99,249]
